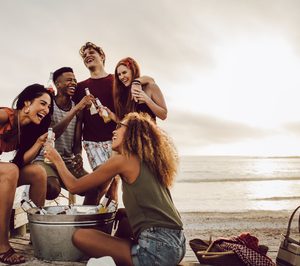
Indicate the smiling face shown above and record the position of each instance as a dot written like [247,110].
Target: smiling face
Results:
[66,83]
[118,135]
[124,75]
[92,58]
[38,108]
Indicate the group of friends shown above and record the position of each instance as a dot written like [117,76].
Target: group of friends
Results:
[130,147]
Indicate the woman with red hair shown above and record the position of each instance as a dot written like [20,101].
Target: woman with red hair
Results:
[136,93]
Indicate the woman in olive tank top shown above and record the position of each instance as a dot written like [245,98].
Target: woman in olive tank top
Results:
[146,160]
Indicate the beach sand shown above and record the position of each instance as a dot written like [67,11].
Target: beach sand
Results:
[267,226]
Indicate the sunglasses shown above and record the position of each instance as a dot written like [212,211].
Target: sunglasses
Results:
[119,124]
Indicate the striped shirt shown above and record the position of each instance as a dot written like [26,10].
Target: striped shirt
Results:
[64,144]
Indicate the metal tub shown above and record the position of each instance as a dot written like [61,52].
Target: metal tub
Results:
[51,234]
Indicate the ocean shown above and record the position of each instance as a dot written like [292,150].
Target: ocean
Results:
[233,183]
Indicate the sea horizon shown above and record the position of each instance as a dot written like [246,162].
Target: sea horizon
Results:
[237,183]
[234,183]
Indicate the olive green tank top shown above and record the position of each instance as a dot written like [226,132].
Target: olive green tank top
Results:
[149,204]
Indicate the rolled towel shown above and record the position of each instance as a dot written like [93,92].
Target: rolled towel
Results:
[103,261]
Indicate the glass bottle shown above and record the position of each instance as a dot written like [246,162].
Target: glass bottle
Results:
[112,206]
[28,204]
[101,208]
[93,109]
[50,84]
[49,140]
[104,114]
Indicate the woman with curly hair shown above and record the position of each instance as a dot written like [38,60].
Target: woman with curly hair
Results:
[146,160]
[135,93]
[21,129]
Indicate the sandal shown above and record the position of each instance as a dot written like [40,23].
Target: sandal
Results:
[7,257]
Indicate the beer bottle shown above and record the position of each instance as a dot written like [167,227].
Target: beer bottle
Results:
[104,114]
[93,109]
[50,84]
[102,206]
[49,140]
[28,204]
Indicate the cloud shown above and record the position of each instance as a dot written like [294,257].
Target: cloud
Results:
[200,130]
[196,50]
[292,128]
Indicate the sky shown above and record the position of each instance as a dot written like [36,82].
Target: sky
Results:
[228,69]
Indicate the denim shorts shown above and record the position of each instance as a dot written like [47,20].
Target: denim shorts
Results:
[159,246]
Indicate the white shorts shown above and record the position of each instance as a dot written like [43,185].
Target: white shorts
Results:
[97,152]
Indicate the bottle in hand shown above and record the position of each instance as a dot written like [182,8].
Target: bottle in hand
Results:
[49,140]
[104,114]
[93,109]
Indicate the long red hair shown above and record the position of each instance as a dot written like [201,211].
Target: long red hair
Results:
[122,94]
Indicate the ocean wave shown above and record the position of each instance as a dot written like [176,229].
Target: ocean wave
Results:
[280,198]
[238,179]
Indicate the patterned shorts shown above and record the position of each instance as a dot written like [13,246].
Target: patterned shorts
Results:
[97,152]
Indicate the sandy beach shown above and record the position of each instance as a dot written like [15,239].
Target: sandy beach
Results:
[267,226]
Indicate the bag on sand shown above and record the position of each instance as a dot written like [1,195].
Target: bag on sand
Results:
[242,250]
[208,253]
[289,249]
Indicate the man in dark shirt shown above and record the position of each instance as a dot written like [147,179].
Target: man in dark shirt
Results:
[96,133]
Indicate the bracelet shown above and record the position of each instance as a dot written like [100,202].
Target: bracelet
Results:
[136,81]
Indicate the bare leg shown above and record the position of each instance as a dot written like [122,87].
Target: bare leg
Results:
[9,174]
[35,176]
[98,244]
[53,188]
[93,197]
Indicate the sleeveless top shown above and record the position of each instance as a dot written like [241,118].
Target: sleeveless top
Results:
[8,132]
[143,108]
[149,204]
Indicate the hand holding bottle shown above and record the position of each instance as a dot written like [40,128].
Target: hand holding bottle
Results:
[51,154]
[50,141]
[111,114]
[136,88]
[42,139]
[102,111]
[86,101]
[93,109]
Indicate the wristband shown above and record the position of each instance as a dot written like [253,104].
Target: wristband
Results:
[136,81]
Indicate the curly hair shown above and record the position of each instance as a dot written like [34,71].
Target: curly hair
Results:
[122,95]
[98,49]
[151,145]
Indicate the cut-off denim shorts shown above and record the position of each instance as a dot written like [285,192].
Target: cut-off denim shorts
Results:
[159,246]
